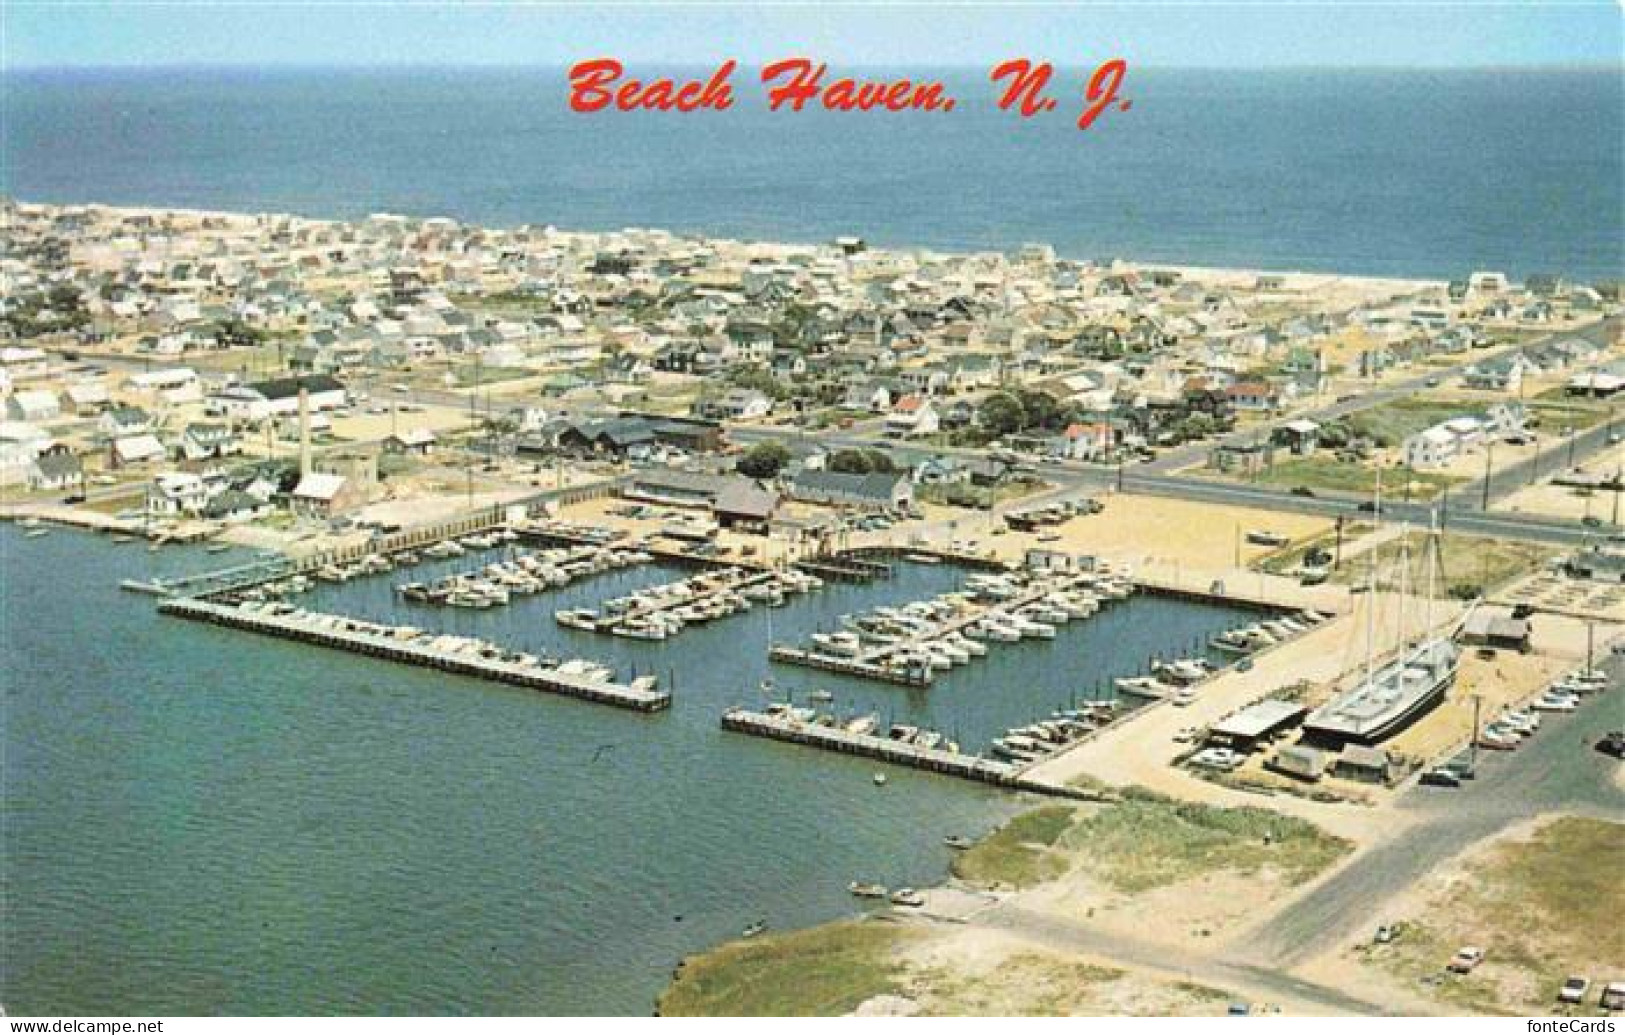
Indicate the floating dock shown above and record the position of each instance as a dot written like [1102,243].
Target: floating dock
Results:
[374,645]
[884,749]
[848,666]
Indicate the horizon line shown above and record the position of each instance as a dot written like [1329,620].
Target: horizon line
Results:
[319,66]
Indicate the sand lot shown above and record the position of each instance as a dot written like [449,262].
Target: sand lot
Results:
[1173,538]
[1575,504]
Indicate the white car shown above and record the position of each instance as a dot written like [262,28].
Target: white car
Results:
[1522,720]
[1217,758]
[1556,703]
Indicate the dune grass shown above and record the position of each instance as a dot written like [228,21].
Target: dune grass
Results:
[1150,842]
[818,972]
[1020,853]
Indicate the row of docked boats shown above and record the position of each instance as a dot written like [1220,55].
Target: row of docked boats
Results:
[1265,634]
[663,611]
[955,628]
[865,726]
[1036,741]
[449,549]
[524,574]
[446,644]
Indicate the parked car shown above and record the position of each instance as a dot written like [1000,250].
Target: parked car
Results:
[1466,958]
[1613,743]
[1217,758]
[1613,996]
[1556,703]
[1441,777]
[1303,490]
[1574,990]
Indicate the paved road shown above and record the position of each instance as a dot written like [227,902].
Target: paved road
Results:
[1556,769]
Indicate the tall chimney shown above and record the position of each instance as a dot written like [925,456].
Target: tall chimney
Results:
[304,432]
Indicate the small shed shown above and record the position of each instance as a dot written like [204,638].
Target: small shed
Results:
[1297,760]
[1366,764]
[1496,627]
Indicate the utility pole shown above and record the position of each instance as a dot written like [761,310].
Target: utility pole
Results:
[1478,701]
[1591,645]
[1489,472]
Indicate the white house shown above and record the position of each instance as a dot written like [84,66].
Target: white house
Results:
[913,415]
[1433,447]
[137,449]
[20,363]
[34,404]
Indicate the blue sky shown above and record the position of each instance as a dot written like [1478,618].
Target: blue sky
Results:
[252,32]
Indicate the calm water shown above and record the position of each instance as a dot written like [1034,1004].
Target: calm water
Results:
[1397,172]
[198,820]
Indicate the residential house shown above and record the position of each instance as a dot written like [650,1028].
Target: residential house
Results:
[912,416]
[414,441]
[872,491]
[204,441]
[33,405]
[738,404]
[57,469]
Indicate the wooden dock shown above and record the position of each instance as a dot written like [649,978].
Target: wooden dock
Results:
[848,666]
[884,749]
[376,645]
[844,568]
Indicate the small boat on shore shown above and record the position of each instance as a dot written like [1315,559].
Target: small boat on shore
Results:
[754,929]
[863,889]
[907,897]
[958,842]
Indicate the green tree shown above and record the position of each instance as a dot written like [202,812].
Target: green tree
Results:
[1002,414]
[849,461]
[764,460]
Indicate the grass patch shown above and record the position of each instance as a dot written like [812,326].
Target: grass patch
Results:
[470,374]
[818,972]
[1150,842]
[1394,422]
[1020,853]
[1468,565]
[1332,475]
[1026,984]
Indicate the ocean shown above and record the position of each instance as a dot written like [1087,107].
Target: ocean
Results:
[201,821]
[1401,173]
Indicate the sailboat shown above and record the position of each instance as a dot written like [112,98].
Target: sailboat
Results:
[1391,696]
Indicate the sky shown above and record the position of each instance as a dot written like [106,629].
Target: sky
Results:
[1461,33]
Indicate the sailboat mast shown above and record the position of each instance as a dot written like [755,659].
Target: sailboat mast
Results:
[1370,617]
[1403,638]
[1430,557]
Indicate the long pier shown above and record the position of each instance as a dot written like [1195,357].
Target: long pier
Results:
[375,645]
[884,749]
